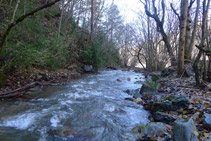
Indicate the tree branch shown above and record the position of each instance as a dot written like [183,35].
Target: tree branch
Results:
[175,12]
[191,3]
[20,19]
[163,8]
[208,52]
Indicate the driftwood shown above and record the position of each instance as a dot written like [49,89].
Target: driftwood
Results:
[21,90]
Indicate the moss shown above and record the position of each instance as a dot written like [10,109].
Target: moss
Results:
[186,120]
[139,128]
[154,85]
[171,98]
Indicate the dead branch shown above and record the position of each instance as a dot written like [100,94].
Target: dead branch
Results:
[18,91]
[174,10]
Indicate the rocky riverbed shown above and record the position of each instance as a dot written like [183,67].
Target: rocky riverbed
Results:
[178,109]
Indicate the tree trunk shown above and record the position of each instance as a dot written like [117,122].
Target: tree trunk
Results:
[204,67]
[183,19]
[92,19]
[209,71]
[60,20]
[204,20]
[160,27]
[187,35]
[190,48]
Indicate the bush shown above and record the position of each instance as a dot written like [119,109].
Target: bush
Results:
[155,77]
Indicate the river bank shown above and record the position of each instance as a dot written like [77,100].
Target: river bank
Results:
[19,84]
[170,99]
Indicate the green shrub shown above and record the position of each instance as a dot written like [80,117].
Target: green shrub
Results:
[155,77]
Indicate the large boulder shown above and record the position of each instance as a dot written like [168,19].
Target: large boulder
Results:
[163,117]
[207,121]
[149,88]
[184,130]
[88,68]
[153,129]
[171,103]
[179,101]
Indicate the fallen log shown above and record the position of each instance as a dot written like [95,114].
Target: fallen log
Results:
[21,90]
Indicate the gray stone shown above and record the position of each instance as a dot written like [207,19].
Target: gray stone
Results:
[88,68]
[207,121]
[180,101]
[163,106]
[138,101]
[153,129]
[163,117]
[135,92]
[147,90]
[184,130]
[172,103]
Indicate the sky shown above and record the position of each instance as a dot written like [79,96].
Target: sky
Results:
[129,8]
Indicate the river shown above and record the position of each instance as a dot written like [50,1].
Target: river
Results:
[90,108]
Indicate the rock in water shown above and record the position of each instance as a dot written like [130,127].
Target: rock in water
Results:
[147,90]
[184,130]
[135,92]
[138,101]
[207,121]
[88,68]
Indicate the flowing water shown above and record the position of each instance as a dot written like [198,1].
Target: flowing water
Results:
[90,108]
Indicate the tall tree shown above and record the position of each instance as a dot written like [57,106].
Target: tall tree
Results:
[183,22]
[193,36]
[160,26]
[206,5]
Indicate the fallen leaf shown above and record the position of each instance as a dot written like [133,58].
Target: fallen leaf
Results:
[207,105]
[206,134]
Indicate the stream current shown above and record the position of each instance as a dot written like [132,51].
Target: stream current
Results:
[90,108]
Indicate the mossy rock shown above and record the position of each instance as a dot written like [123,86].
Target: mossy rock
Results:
[154,85]
[171,103]
[152,129]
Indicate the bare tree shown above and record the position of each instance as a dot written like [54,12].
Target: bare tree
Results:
[206,5]
[160,26]
[183,22]
[193,36]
